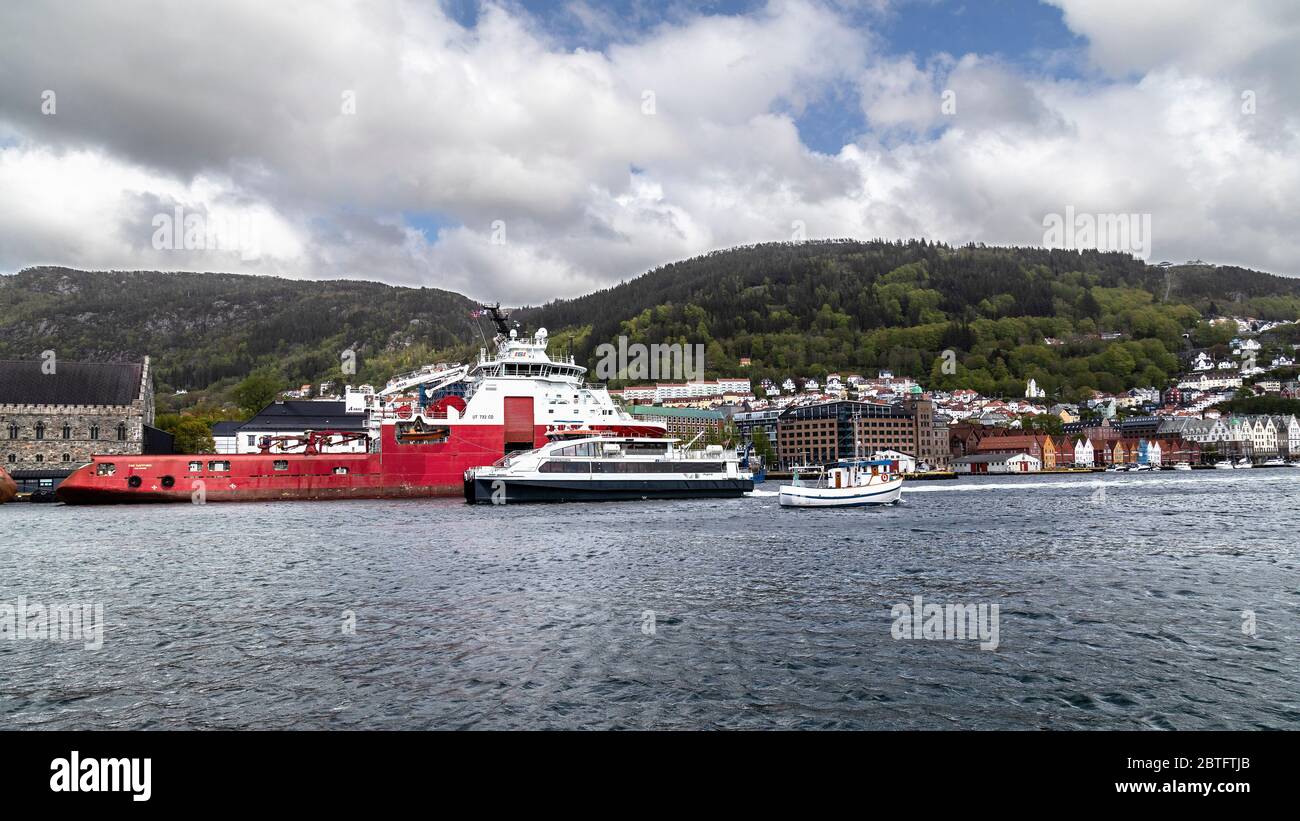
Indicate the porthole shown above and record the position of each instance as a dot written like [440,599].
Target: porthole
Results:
[134,481]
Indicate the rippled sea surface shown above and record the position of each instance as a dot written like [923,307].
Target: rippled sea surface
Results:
[1122,605]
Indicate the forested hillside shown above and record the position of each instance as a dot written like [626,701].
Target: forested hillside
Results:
[205,330]
[1008,314]
[1075,321]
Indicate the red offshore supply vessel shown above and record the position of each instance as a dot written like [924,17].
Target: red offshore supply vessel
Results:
[464,417]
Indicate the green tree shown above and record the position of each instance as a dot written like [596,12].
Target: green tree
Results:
[193,435]
[1048,423]
[256,392]
[763,447]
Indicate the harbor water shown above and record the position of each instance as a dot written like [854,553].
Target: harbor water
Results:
[1159,601]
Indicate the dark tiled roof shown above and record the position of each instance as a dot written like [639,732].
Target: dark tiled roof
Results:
[295,415]
[72,383]
[226,428]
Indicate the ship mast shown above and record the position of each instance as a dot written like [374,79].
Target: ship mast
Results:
[499,318]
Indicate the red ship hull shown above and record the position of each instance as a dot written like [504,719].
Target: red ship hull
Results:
[396,471]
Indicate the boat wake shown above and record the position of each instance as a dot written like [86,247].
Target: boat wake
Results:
[1083,483]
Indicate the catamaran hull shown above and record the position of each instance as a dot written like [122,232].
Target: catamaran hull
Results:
[511,491]
[791,496]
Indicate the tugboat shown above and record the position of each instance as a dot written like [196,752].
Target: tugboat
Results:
[580,465]
[462,417]
[8,487]
[844,484]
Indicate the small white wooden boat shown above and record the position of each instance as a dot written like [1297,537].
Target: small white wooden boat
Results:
[845,484]
[1183,466]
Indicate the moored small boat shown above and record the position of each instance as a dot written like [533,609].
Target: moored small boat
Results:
[1243,463]
[1224,465]
[1183,466]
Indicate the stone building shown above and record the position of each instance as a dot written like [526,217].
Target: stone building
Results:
[54,415]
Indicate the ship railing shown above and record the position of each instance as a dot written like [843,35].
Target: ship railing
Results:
[387,414]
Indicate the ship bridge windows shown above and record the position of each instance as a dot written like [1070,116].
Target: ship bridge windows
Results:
[196,467]
[219,466]
[105,469]
[340,471]
[280,464]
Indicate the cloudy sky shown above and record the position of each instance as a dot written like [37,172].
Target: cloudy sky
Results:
[523,151]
